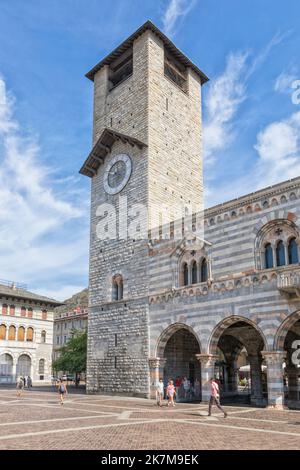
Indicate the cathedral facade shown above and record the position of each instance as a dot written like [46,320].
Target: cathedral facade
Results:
[189,297]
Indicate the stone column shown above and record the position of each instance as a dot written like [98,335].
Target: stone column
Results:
[293,389]
[207,362]
[256,380]
[155,364]
[274,361]
[233,376]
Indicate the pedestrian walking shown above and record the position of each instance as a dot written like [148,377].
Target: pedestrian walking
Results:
[20,386]
[171,393]
[29,382]
[62,390]
[215,397]
[159,392]
[186,387]
[24,380]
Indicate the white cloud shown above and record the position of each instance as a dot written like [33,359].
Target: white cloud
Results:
[284,81]
[225,95]
[36,242]
[176,9]
[223,99]
[278,146]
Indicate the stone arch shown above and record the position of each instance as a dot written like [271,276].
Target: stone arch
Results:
[222,326]
[168,333]
[24,364]
[283,330]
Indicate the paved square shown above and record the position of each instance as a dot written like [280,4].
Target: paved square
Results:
[38,421]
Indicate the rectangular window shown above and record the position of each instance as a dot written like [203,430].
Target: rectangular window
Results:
[57,339]
[121,68]
[175,71]
[65,339]
[116,362]
[116,340]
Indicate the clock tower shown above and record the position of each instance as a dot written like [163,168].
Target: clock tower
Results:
[146,169]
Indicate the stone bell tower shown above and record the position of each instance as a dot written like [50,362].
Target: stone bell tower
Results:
[146,154]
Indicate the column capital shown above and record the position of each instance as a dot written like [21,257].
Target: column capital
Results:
[155,362]
[273,357]
[207,359]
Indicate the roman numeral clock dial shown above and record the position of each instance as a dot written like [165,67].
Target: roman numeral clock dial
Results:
[117,174]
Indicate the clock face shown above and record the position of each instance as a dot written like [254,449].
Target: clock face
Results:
[117,173]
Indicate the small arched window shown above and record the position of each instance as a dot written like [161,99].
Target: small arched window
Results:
[204,271]
[43,336]
[4,309]
[29,334]
[21,333]
[2,332]
[12,310]
[194,273]
[30,312]
[185,271]
[12,333]
[44,314]
[280,254]
[268,256]
[117,287]
[293,251]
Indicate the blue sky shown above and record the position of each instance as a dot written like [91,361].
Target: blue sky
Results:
[250,51]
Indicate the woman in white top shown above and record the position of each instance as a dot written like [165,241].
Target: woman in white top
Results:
[159,392]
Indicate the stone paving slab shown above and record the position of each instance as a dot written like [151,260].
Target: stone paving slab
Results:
[38,421]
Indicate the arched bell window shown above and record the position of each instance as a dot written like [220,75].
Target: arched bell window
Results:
[204,271]
[117,287]
[280,254]
[293,251]
[268,256]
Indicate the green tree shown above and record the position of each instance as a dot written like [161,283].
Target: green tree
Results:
[73,354]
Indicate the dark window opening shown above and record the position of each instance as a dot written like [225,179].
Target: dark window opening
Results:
[204,271]
[194,273]
[175,71]
[185,275]
[280,254]
[293,251]
[121,69]
[268,256]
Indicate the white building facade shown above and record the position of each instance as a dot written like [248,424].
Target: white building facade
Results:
[26,335]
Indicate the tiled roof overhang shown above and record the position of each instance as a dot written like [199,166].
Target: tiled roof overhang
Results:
[103,147]
[168,44]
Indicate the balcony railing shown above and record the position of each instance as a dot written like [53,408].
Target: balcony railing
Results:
[289,282]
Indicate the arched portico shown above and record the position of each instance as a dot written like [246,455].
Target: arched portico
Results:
[176,359]
[236,346]
[287,340]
